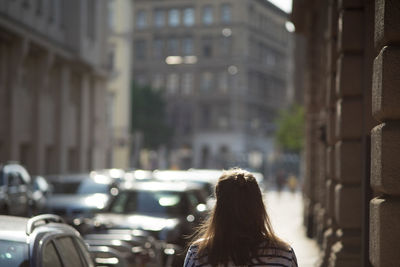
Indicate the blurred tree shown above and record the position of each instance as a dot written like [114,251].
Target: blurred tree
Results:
[148,116]
[290,129]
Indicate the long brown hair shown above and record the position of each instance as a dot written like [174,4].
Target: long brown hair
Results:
[239,222]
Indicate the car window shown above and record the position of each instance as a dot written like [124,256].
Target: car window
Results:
[12,179]
[2,176]
[50,256]
[20,180]
[60,187]
[89,186]
[69,252]
[194,201]
[13,254]
[156,203]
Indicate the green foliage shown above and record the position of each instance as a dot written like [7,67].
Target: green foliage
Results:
[290,128]
[148,116]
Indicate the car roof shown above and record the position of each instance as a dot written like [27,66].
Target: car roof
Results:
[13,228]
[19,228]
[191,175]
[161,186]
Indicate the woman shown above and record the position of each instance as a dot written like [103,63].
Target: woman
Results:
[238,232]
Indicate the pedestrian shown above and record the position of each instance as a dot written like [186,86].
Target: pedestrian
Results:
[280,180]
[238,231]
[292,183]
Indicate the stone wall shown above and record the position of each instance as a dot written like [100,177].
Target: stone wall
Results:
[339,36]
[385,145]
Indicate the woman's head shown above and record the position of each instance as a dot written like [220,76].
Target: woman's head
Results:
[239,221]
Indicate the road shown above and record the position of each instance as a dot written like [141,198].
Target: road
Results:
[285,212]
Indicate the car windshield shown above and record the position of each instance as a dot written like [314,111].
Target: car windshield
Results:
[90,186]
[13,254]
[87,186]
[153,203]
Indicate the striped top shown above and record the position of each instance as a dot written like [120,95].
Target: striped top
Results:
[271,257]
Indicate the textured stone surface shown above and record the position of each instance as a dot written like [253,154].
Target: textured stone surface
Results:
[350,3]
[350,31]
[387,22]
[349,75]
[330,127]
[386,84]
[385,155]
[384,232]
[348,162]
[349,112]
[348,206]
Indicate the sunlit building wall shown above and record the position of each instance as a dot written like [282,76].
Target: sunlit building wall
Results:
[222,66]
[119,60]
[53,85]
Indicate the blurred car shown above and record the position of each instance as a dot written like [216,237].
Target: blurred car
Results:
[40,192]
[43,241]
[15,190]
[205,179]
[80,195]
[104,256]
[141,252]
[170,211]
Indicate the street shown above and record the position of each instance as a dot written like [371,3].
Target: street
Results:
[285,212]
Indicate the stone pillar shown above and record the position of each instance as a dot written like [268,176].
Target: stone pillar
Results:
[45,61]
[62,125]
[19,51]
[84,123]
[348,131]
[385,144]
[330,237]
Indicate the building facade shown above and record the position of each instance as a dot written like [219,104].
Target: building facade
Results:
[119,59]
[53,85]
[222,66]
[351,187]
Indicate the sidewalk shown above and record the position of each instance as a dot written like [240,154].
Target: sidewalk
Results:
[285,212]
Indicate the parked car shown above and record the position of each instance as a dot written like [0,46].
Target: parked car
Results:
[44,241]
[15,190]
[104,256]
[170,211]
[40,192]
[141,252]
[80,195]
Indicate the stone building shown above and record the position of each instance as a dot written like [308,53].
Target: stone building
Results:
[223,66]
[352,100]
[53,85]
[119,60]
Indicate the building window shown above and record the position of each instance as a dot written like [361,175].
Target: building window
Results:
[188,16]
[206,81]
[158,48]
[187,46]
[172,83]
[207,47]
[140,49]
[159,18]
[173,17]
[187,83]
[208,15]
[141,19]
[226,13]
[173,47]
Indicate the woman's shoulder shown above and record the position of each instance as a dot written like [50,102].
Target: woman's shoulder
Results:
[281,254]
